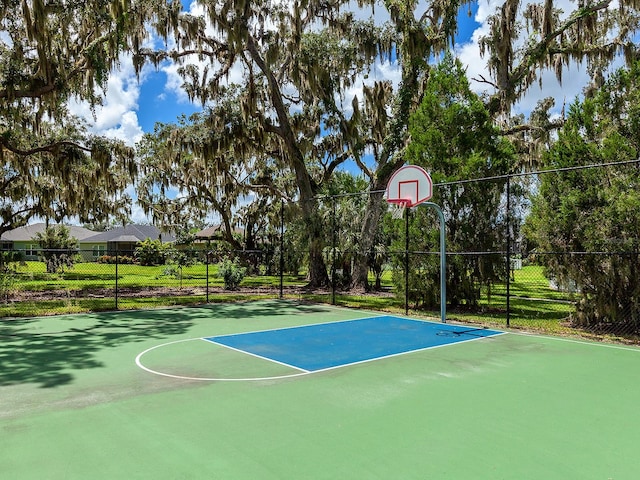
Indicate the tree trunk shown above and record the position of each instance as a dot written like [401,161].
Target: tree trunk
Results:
[318,276]
[375,208]
[360,278]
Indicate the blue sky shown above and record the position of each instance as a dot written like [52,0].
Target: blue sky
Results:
[156,104]
[157,97]
[132,107]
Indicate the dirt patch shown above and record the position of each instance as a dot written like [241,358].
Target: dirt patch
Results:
[150,292]
[61,294]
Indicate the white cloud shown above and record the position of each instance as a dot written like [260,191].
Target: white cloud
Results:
[128,130]
[173,83]
[116,117]
[138,216]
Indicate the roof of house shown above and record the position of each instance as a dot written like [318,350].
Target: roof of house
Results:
[214,231]
[127,234]
[26,233]
[131,234]
[209,232]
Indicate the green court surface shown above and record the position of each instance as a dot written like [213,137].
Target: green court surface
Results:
[79,400]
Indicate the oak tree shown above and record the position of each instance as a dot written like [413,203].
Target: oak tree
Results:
[296,61]
[51,52]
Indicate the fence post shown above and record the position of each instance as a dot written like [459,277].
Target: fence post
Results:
[333,252]
[443,261]
[508,222]
[117,261]
[207,255]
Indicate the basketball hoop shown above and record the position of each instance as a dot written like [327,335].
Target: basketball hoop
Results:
[410,186]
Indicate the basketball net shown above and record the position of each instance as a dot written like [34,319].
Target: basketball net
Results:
[397,209]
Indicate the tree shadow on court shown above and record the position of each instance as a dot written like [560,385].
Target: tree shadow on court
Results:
[263,309]
[49,359]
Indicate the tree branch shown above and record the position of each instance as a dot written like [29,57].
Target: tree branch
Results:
[529,128]
[51,148]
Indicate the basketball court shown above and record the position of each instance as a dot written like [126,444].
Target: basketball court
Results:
[277,389]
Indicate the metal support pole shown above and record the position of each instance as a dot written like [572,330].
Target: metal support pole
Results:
[443,263]
[508,222]
[406,261]
[117,253]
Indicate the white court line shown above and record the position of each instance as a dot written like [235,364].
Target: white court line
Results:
[294,327]
[504,329]
[299,374]
[209,379]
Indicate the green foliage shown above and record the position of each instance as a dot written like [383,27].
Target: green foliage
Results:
[57,248]
[172,271]
[595,210]
[232,273]
[113,259]
[53,167]
[454,138]
[183,253]
[7,280]
[295,242]
[152,252]
[11,256]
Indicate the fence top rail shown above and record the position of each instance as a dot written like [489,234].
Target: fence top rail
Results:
[499,177]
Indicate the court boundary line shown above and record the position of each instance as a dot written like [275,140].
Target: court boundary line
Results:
[504,329]
[309,325]
[372,315]
[139,363]
[592,343]
[445,327]
[392,355]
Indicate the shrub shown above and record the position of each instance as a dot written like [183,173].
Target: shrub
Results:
[104,259]
[152,252]
[7,281]
[111,259]
[59,249]
[232,273]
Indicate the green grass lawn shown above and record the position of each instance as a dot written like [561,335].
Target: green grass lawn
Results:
[530,282]
[83,278]
[86,276]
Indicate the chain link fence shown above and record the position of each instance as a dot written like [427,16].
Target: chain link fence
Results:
[504,284]
[527,298]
